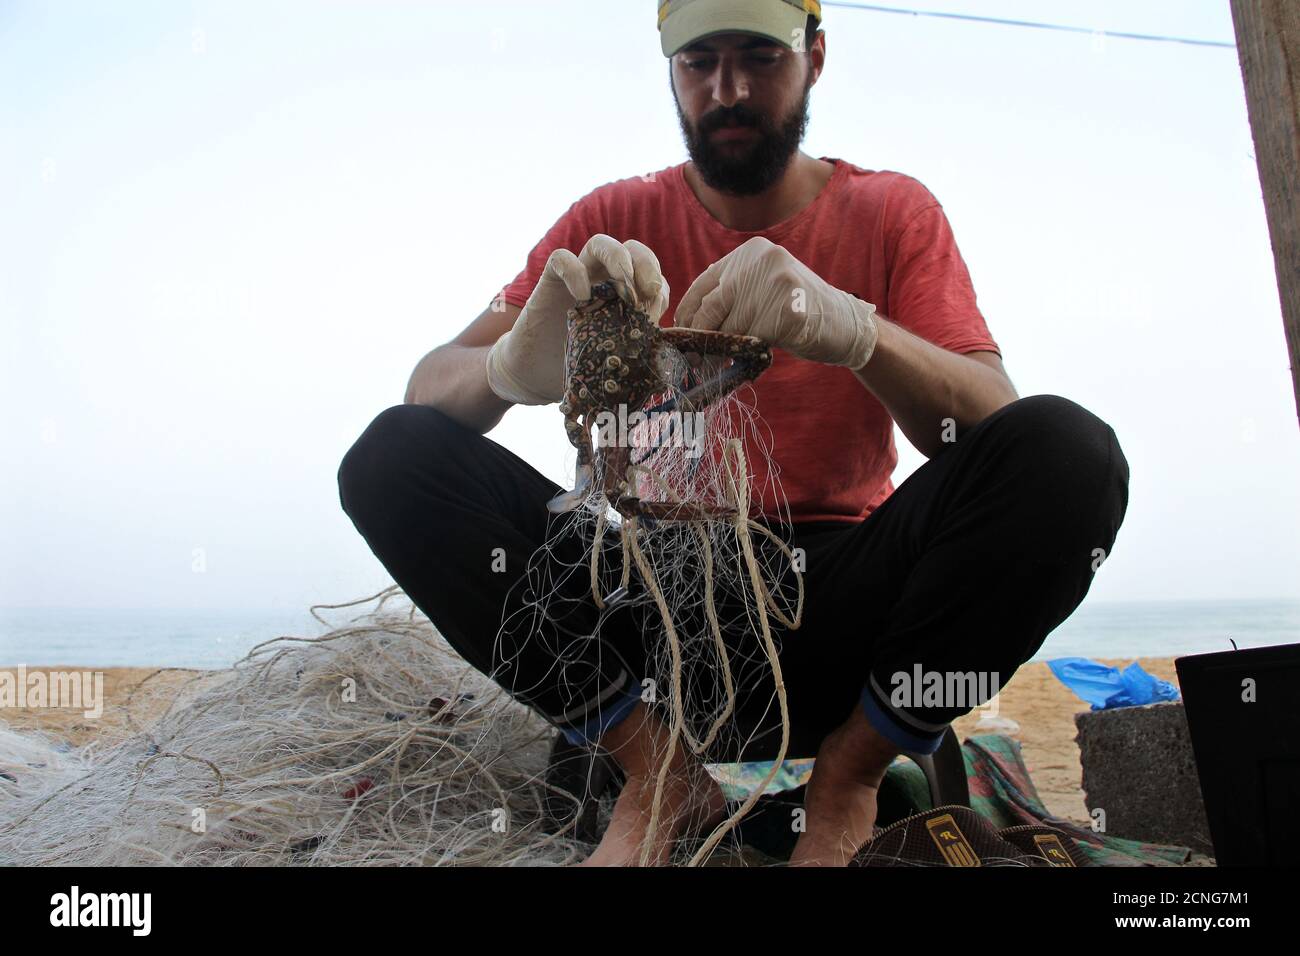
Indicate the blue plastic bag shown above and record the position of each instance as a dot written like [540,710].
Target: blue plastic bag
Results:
[1104,687]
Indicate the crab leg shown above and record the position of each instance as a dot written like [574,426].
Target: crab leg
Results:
[630,507]
[580,438]
[614,462]
[751,357]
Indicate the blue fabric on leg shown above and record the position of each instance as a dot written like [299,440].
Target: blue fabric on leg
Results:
[614,713]
[888,726]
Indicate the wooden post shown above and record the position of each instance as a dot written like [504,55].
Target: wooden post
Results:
[1268,45]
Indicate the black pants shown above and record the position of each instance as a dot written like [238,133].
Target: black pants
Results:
[957,578]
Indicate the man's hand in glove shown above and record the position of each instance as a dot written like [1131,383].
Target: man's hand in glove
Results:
[526,365]
[760,289]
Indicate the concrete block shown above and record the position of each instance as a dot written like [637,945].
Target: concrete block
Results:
[1139,769]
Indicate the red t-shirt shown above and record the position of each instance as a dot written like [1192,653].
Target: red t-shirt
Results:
[880,235]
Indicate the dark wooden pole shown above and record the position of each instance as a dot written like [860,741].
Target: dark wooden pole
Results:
[1268,44]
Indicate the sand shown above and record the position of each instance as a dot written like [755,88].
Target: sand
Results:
[1034,699]
[71,725]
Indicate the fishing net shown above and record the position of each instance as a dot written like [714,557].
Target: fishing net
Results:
[371,744]
[717,589]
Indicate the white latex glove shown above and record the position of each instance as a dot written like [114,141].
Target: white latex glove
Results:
[526,365]
[760,289]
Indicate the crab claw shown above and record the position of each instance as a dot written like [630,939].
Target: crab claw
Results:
[572,499]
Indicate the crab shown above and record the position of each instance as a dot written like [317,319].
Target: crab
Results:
[616,356]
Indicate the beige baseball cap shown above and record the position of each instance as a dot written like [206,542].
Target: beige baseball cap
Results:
[682,22]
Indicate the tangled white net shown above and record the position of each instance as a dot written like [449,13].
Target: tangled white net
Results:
[703,578]
[371,744]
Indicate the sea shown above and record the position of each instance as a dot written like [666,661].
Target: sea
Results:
[86,638]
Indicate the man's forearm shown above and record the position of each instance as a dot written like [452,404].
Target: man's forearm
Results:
[922,386]
[453,379]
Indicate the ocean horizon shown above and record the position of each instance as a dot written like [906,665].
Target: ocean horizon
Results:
[166,637]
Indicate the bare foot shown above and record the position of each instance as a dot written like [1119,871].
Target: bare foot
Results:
[691,802]
[840,817]
[691,798]
[840,803]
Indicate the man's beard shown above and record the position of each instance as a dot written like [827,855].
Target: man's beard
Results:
[751,171]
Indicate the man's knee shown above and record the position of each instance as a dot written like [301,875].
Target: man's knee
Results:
[1063,442]
[1066,471]
[379,459]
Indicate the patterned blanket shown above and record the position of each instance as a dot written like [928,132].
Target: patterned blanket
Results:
[1000,787]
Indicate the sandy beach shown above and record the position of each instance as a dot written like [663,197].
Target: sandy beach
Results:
[1042,707]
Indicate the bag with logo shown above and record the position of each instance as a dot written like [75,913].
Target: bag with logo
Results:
[958,836]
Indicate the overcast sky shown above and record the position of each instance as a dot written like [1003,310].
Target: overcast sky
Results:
[229,230]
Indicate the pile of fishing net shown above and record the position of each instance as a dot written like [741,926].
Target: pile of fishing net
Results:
[372,744]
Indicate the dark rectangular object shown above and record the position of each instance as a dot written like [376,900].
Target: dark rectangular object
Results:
[1243,714]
